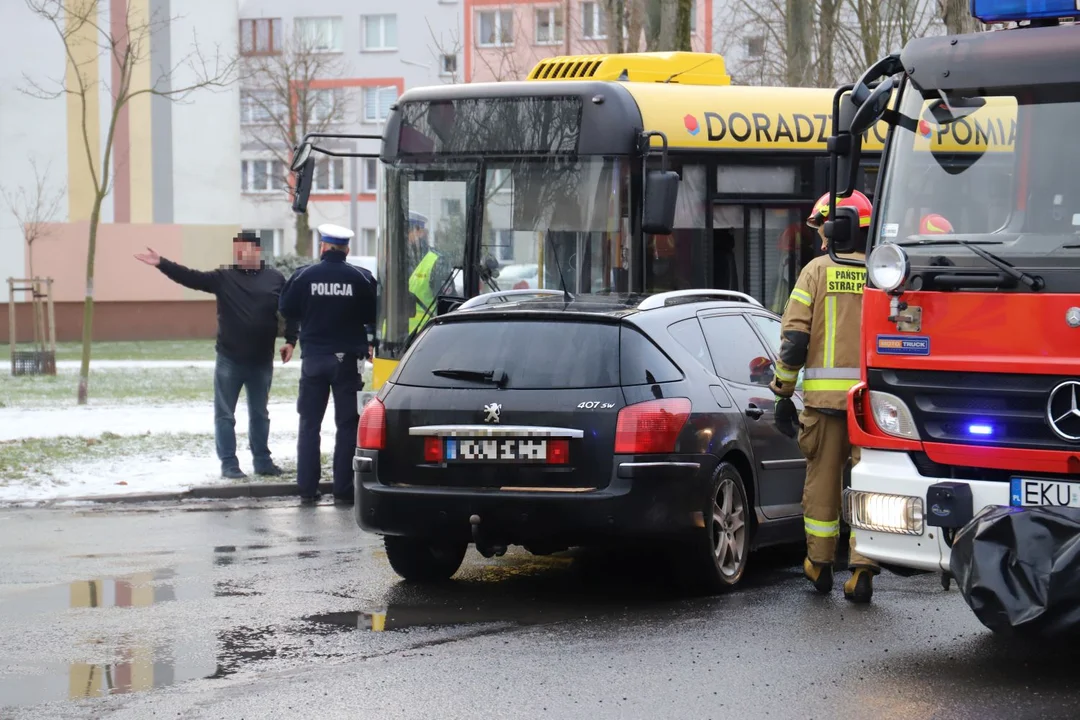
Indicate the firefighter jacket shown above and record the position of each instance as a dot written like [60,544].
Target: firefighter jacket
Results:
[820,332]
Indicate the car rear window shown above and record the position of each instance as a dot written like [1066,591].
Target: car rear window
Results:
[534,354]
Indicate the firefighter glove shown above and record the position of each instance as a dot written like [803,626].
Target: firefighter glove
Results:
[787,417]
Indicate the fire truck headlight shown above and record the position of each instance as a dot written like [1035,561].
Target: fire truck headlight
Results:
[888,267]
[893,416]
[879,512]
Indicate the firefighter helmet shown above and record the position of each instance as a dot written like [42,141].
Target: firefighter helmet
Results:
[857,200]
[934,224]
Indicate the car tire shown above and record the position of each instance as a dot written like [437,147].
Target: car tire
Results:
[716,559]
[420,560]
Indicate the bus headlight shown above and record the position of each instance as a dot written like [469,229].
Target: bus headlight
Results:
[892,415]
[879,512]
[888,267]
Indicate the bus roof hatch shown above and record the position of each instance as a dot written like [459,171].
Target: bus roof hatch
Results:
[684,68]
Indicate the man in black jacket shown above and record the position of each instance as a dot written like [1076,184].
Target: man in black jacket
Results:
[247,301]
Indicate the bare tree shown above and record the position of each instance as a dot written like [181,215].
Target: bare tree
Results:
[34,207]
[282,90]
[78,24]
[451,46]
[956,14]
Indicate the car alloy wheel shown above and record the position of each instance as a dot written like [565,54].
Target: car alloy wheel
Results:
[729,528]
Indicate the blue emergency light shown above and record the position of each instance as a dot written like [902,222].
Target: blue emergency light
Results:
[981,429]
[996,11]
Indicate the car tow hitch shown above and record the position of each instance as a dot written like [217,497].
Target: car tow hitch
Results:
[486,549]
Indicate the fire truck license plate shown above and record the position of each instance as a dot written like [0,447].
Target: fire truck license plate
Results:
[495,450]
[1025,492]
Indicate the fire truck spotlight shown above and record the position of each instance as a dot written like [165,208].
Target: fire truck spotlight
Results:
[879,512]
[893,416]
[888,267]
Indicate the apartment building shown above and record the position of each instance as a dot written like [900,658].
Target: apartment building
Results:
[361,55]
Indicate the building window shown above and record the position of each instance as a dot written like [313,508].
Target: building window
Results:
[500,180]
[495,28]
[270,241]
[448,65]
[258,176]
[261,107]
[260,36]
[323,105]
[368,238]
[321,34]
[377,102]
[380,32]
[549,26]
[593,21]
[504,245]
[693,16]
[370,176]
[755,46]
[451,206]
[329,176]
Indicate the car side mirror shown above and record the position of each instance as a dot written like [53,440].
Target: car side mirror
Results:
[661,195]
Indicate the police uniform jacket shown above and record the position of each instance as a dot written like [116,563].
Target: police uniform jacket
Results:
[335,304]
[820,332]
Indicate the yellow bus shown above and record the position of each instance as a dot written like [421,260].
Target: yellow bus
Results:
[540,185]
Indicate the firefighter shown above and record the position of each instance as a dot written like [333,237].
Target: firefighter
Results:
[934,224]
[820,332]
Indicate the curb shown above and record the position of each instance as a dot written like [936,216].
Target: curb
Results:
[205,492]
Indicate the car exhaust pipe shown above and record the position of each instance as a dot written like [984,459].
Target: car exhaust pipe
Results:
[488,550]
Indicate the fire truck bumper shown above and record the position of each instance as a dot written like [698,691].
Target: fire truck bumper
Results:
[887,507]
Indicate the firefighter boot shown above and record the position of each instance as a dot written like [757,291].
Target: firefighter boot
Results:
[821,576]
[860,587]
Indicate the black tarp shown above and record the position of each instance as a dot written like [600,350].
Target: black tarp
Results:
[1019,570]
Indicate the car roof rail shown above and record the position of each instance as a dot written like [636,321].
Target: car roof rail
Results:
[663,299]
[505,295]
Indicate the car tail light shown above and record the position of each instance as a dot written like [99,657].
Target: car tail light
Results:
[558,451]
[433,449]
[371,435]
[650,427]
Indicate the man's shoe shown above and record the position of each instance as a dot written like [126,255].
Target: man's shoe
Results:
[310,499]
[860,587]
[340,501]
[272,471]
[820,575]
[233,473]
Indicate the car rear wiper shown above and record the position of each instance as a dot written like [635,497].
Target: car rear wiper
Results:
[495,377]
[1034,282]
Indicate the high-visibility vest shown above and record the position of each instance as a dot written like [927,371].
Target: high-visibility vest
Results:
[420,288]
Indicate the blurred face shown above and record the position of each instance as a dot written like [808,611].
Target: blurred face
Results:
[246,254]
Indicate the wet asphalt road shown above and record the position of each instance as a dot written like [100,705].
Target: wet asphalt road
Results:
[267,610]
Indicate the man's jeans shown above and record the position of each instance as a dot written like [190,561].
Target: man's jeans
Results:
[321,375]
[255,378]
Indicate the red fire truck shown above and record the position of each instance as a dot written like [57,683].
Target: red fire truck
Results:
[970,386]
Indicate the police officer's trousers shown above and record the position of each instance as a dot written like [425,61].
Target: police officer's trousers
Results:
[319,376]
[825,443]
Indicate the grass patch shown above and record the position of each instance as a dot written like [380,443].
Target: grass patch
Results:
[134,386]
[201,349]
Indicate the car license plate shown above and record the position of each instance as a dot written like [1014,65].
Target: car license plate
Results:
[496,450]
[1026,492]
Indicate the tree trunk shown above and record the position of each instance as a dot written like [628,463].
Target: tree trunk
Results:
[668,12]
[682,26]
[615,18]
[303,235]
[800,26]
[956,15]
[635,22]
[870,26]
[653,11]
[88,305]
[828,25]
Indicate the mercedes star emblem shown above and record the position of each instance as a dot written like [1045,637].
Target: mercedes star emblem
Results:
[1072,316]
[1063,410]
[492,411]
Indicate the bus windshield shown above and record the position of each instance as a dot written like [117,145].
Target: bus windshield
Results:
[997,168]
[550,222]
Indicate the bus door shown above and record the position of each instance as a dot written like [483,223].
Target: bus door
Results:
[759,249]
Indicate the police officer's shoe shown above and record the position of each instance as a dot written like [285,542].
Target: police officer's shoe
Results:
[310,500]
[233,473]
[270,471]
[343,500]
[821,576]
[860,587]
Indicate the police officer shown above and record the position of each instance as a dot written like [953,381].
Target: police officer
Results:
[428,270]
[335,305]
[820,332]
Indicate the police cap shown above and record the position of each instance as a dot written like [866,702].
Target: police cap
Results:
[416,220]
[335,234]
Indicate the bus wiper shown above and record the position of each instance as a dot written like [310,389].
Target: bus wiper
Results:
[558,266]
[495,377]
[1034,282]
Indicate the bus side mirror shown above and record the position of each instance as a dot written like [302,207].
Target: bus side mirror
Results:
[661,195]
[304,177]
[842,232]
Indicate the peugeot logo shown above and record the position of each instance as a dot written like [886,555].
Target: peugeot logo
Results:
[493,410]
[1062,411]
[1072,316]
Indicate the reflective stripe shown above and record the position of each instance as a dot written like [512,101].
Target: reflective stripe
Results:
[802,296]
[831,373]
[828,385]
[830,331]
[821,528]
[786,375]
